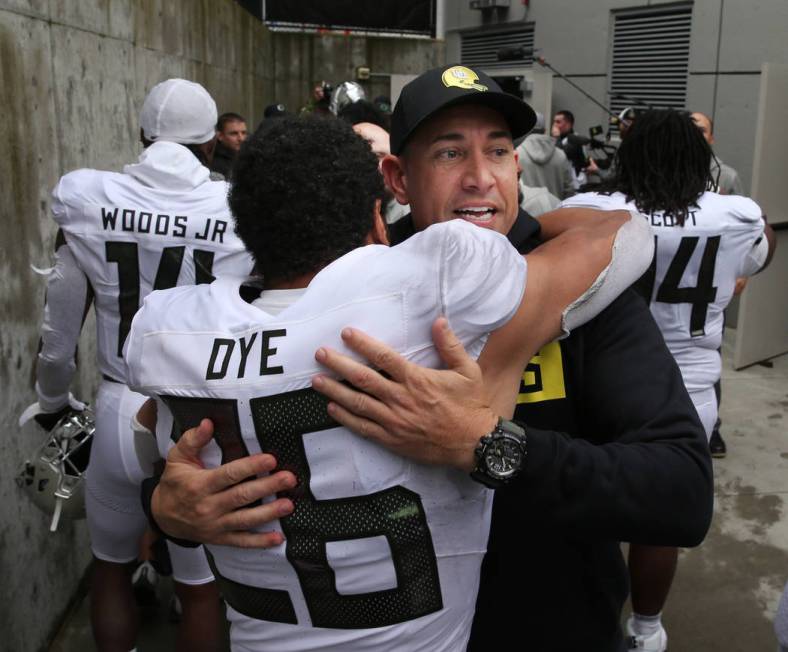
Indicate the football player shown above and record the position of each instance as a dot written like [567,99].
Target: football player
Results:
[613,453]
[704,241]
[158,224]
[381,553]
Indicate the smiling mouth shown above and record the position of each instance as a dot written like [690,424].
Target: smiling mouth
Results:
[481,214]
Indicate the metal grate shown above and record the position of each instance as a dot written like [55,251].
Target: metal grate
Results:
[650,57]
[480,48]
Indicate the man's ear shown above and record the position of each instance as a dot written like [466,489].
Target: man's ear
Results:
[378,234]
[393,170]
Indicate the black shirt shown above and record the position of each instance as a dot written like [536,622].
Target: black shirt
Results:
[615,453]
[223,159]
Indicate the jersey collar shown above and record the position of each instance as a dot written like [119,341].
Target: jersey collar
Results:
[170,165]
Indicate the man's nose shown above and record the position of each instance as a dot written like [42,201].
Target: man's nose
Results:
[477,174]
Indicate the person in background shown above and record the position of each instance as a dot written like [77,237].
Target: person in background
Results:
[364,111]
[724,176]
[274,111]
[563,130]
[161,222]
[320,100]
[230,134]
[383,102]
[543,164]
[727,182]
[536,201]
[704,242]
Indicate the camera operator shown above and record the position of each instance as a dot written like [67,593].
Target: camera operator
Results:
[320,100]
[563,130]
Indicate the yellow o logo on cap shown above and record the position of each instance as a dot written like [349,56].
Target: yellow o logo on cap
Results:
[462,77]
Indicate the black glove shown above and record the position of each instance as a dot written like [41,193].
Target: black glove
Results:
[48,420]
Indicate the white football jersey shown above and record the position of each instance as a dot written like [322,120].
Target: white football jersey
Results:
[160,224]
[694,272]
[382,553]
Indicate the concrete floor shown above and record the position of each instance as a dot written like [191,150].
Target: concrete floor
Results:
[726,591]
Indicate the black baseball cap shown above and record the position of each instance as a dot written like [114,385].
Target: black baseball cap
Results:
[447,86]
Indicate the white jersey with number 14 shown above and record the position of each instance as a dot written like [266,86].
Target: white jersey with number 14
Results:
[694,272]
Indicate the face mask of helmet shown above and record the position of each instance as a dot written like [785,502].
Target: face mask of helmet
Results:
[53,475]
[346,93]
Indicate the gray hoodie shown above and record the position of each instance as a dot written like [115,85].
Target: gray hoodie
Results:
[545,166]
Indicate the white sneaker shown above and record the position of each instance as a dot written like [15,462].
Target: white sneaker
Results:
[657,642]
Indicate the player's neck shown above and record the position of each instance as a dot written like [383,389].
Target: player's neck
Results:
[290,284]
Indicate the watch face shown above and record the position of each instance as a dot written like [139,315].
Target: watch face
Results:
[503,457]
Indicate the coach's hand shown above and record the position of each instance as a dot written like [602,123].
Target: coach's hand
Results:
[209,505]
[429,415]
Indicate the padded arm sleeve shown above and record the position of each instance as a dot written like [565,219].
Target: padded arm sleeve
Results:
[66,298]
[633,250]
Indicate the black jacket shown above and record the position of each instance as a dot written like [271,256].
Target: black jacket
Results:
[223,159]
[615,453]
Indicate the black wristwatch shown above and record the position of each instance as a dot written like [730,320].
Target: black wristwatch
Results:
[500,455]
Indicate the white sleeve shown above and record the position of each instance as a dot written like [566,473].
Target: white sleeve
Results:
[633,250]
[132,349]
[482,278]
[59,207]
[595,200]
[750,216]
[756,257]
[66,299]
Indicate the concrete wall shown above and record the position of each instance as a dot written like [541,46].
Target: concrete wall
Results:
[575,37]
[72,79]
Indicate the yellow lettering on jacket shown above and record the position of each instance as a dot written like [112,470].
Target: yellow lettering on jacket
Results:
[543,378]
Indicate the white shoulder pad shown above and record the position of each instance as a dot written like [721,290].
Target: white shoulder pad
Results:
[633,250]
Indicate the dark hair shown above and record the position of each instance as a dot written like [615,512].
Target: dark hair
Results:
[364,111]
[303,194]
[567,114]
[194,148]
[663,164]
[228,117]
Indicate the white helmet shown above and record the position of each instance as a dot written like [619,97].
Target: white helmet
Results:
[346,93]
[53,475]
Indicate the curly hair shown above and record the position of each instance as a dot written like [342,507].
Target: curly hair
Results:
[303,194]
[663,164]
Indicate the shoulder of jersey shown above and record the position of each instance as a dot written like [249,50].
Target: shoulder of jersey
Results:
[75,188]
[79,183]
[595,200]
[456,233]
[190,308]
[736,207]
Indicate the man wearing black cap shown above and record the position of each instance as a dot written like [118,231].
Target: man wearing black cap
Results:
[615,451]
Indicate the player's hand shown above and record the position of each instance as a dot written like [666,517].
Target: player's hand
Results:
[432,416]
[741,283]
[48,420]
[210,505]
